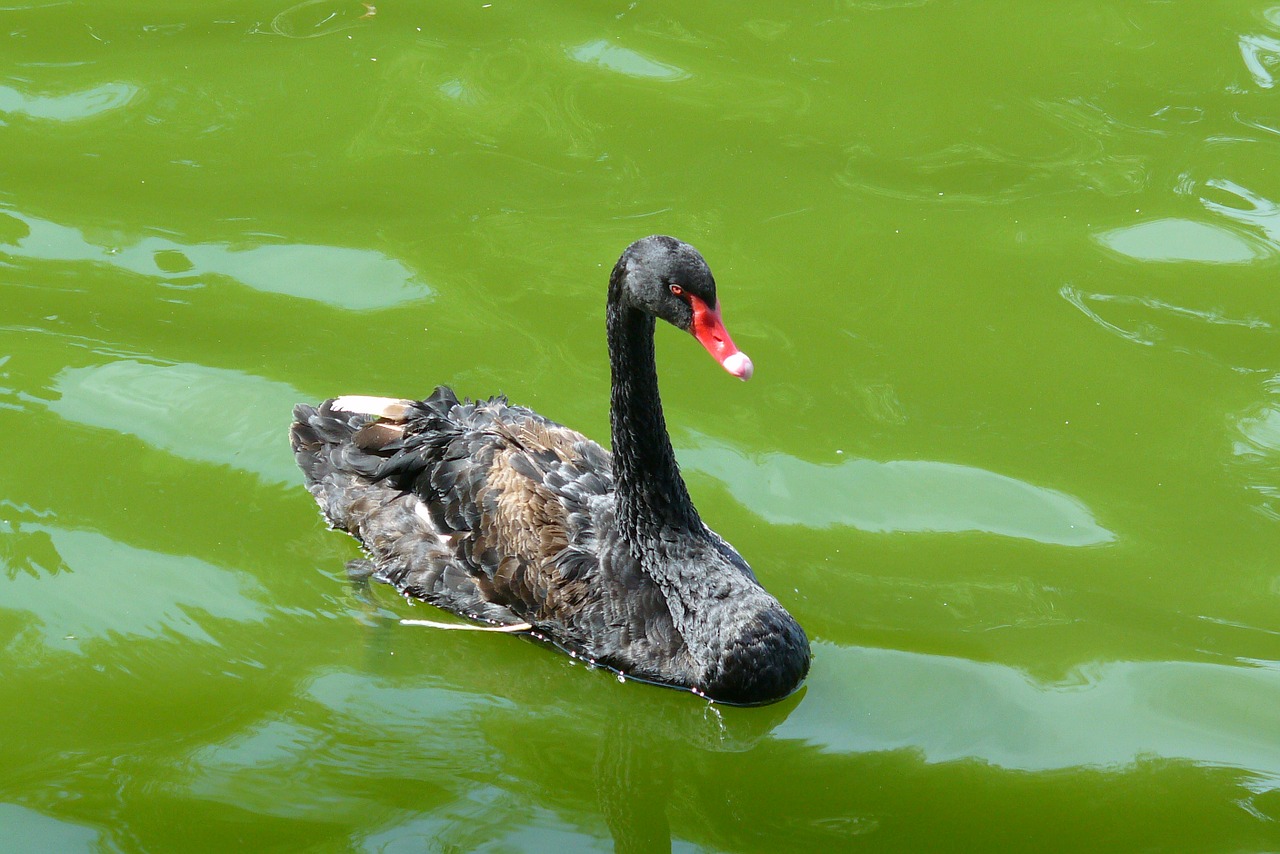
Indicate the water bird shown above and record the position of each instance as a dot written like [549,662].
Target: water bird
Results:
[497,514]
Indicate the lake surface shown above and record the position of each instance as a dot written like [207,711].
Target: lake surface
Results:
[1009,275]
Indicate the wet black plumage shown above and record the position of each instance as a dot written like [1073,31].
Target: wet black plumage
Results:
[493,512]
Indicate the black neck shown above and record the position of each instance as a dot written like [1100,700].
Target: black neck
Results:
[651,495]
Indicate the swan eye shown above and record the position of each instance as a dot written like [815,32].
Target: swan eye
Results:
[677,290]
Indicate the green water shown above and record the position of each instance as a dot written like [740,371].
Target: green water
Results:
[1007,271]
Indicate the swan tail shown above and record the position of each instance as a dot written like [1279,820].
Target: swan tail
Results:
[350,450]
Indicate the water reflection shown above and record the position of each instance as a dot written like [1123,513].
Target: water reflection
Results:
[196,412]
[1182,240]
[1112,714]
[624,61]
[338,275]
[899,495]
[524,753]
[79,599]
[71,107]
[546,756]
[28,830]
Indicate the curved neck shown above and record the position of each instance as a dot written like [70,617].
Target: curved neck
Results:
[651,494]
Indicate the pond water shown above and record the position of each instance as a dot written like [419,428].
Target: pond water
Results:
[1007,271]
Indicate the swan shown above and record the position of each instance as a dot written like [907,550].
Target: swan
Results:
[497,514]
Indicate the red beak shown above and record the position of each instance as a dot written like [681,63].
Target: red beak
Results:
[709,329]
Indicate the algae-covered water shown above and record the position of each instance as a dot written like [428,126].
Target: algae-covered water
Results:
[1007,272]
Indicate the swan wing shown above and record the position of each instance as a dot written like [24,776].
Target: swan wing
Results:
[483,508]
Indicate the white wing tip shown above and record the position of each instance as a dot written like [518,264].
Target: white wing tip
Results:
[468,627]
[363,404]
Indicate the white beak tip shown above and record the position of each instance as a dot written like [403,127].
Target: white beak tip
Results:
[739,364]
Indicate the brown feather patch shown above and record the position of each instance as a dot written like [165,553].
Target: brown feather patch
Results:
[378,435]
[528,518]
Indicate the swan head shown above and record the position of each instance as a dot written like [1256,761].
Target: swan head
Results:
[669,279]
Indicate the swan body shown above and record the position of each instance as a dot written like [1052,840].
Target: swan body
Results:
[495,513]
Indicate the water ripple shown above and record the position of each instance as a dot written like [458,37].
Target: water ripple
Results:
[315,18]
[1243,206]
[1261,55]
[1256,450]
[1149,321]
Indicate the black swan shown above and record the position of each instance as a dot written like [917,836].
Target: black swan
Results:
[495,513]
